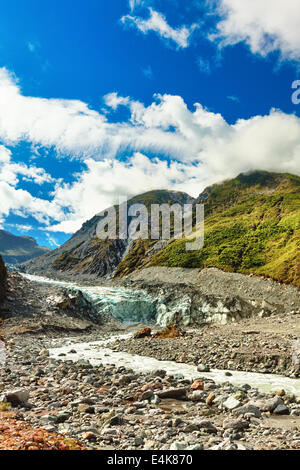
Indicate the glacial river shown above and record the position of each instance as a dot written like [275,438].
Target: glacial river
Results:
[98,352]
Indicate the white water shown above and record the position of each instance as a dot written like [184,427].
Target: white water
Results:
[98,353]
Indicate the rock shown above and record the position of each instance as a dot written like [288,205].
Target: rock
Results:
[248,409]
[225,445]
[143,333]
[209,400]
[44,353]
[231,403]
[268,404]
[280,393]
[84,408]
[49,419]
[197,385]
[178,446]
[190,428]
[207,426]
[184,446]
[62,417]
[195,447]
[17,397]
[281,410]
[198,395]
[147,395]
[203,368]
[138,441]
[115,421]
[176,422]
[159,373]
[240,395]
[126,379]
[183,358]
[172,393]
[155,400]
[89,436]
[235,424]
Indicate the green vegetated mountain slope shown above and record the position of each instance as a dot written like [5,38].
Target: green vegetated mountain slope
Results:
[14,249]
[86,254]
[252,225]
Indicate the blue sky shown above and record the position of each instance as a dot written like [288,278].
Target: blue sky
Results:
[100,99]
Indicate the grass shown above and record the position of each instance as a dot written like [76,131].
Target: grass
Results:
[250,227]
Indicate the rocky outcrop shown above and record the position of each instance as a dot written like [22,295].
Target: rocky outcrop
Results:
[2,280]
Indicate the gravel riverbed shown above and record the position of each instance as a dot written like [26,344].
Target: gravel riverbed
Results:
[110,407]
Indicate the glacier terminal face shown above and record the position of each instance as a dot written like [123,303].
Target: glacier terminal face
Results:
[122,304]
[161,305]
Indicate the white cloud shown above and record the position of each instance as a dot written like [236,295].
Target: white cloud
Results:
[157,23]
[266,26]
[103,182]
[206,147]
[19,201]
[71,127]
[113,100]
[135,3]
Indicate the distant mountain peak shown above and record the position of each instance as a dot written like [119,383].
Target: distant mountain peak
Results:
[18,249]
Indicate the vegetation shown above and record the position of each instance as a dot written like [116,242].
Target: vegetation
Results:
[252,225]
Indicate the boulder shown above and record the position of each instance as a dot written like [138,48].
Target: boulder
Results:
[143,333]
[231,403]
[203,368]
[281,410]
[248,409]
[207,426]
[17,397]
[235,424]
[197,385]
[268,404]
[172,393]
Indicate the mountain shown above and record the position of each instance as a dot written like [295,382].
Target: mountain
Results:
[15,249]
[86,254]
[252,225]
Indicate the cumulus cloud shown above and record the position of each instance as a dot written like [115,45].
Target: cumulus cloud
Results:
[103,182]
[113,100]
[71,127]
[266,26]
[168,146]
[157,23]
[19,201]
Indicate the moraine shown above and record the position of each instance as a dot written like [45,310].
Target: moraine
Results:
[129,306]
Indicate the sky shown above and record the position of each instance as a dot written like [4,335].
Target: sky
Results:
[105,99]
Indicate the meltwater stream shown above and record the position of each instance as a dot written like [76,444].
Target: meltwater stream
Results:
[98,352]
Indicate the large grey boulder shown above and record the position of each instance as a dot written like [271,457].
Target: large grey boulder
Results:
[16,397]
